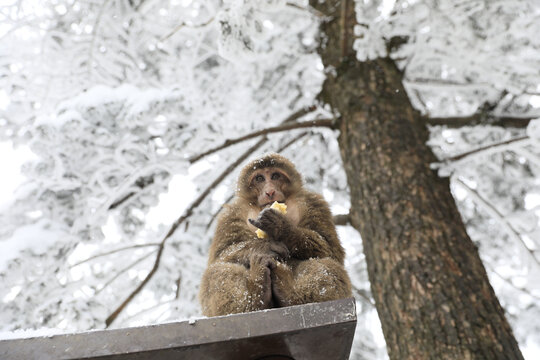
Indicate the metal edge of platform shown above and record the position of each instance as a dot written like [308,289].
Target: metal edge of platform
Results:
[191,334]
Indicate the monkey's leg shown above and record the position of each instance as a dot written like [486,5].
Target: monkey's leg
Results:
[228,288]
[307,281]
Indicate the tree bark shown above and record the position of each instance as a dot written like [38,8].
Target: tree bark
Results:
[431,290]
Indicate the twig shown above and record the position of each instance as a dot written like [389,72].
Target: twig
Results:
[509,282]
[139,313]
[139,260]
[197,26]
[285,126]
[428,82]
[177,223]
[112,252]
[491,210]
[364,295]
[120,201]
[497,146]
[309,9]
[178,283]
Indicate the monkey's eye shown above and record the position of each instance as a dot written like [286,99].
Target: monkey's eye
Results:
[259,178]
[276,176]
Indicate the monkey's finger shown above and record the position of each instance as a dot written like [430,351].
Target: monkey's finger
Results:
[255,223]
[271,264]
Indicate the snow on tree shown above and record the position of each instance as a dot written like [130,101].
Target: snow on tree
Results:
[116,98]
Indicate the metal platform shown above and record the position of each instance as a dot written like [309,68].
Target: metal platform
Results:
[312,331]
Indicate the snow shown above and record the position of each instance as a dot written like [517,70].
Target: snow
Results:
[30,333]
[11,161]
[533,130]
[24,239]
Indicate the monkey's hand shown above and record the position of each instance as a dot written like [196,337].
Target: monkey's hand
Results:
[278,248]
[272,222]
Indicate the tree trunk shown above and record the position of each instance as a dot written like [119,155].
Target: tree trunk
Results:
[431,290]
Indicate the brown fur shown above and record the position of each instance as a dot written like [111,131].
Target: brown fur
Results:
[300,262]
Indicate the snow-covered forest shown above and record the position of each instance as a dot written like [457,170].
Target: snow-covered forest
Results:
[113,101]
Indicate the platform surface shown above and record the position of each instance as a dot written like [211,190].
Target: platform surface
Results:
[312,331]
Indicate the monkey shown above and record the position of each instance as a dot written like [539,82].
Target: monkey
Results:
[301,259]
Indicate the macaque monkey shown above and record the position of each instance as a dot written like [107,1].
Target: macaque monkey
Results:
[299,260]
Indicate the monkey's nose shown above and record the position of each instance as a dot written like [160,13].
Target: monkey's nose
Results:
[270,193]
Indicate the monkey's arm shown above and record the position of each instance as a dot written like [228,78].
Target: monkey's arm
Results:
[235,242]
[315,235]
[304,243]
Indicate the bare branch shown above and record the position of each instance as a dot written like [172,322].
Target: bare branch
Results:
[364,295]
[114,251]
[481,119]
[429,82]
[491,210]
[178,283]
[130,266]
[497,147]
[191,26]
[510,283]
[342,219]
[120,201]
[309,9]
[153,307]
[286,125]
[187,213]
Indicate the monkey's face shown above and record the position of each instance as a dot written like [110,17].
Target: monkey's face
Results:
[269,184]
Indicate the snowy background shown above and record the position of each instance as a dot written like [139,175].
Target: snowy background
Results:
[104,102]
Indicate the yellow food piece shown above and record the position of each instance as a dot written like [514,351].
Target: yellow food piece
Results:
[282,208]
[260,234]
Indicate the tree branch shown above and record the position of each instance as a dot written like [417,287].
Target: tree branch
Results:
[497,147]
[139,260]
[291,118]
[187,213]
[510,283]
[196,26]
[364,295]
[480,119]
[112,252]
[178,283]
[342,219]
[286,125]
[491,210]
